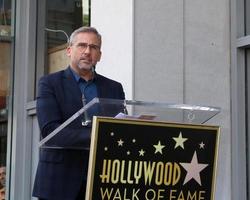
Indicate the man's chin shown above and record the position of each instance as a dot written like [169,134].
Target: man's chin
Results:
[85,68]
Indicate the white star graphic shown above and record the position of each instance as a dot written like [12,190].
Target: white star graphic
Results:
[112,134]
[158,147]
[202,145]
[128,153]
[179,141]
[141,152]
[105,148]
[120,142]
[193,169]
[134,140]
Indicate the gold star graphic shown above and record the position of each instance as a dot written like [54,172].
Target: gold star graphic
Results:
[158,147]
[120,142]
[202,145]
[141,152]
[179,141]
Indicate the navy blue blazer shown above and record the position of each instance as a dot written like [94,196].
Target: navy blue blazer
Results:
[61,173]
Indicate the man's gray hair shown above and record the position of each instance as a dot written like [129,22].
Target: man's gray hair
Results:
[84,29]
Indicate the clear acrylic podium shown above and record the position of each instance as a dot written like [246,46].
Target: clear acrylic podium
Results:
[165,112]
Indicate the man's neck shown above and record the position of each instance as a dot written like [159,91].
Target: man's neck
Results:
[86,74]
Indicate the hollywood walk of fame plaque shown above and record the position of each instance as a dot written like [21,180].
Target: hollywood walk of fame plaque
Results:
[133,159]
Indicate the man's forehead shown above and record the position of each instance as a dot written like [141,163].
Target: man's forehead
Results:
[88,35]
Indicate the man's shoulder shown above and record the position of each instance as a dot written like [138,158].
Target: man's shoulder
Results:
[102,78]
[55,75]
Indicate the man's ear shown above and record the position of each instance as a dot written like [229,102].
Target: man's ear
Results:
[100,55]
[68,51]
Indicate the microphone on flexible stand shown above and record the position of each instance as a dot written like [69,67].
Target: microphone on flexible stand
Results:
[86,121]
[93,70]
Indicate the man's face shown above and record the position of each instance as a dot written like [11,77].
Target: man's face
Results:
[85,52]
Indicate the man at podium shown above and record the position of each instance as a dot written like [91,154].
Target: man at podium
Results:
[63,163]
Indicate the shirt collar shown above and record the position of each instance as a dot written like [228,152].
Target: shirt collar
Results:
[77,77]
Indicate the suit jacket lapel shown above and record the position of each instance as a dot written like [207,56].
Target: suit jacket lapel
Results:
[100,87]
[71,87]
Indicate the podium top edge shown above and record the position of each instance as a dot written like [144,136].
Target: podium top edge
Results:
[158,104]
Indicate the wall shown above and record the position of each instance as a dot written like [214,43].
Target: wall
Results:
[181,54]
[158,51]
[114,21]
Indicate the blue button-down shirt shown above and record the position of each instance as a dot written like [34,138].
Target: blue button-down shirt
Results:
[89,91]
[88,88]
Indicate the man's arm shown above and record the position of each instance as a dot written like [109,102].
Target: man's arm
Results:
[50,116]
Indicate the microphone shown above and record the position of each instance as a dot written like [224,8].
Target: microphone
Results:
[86,120]
[93,68]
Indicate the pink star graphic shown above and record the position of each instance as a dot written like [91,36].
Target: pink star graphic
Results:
[193,169]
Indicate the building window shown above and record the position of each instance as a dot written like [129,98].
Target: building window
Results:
[6,45]
[247,91]
[56,21]
[62,17]
[247,17]
[241,99]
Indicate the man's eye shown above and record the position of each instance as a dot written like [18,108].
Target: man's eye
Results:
[82,45]
[92,46]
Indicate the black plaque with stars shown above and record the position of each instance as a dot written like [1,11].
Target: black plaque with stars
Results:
[148,160]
